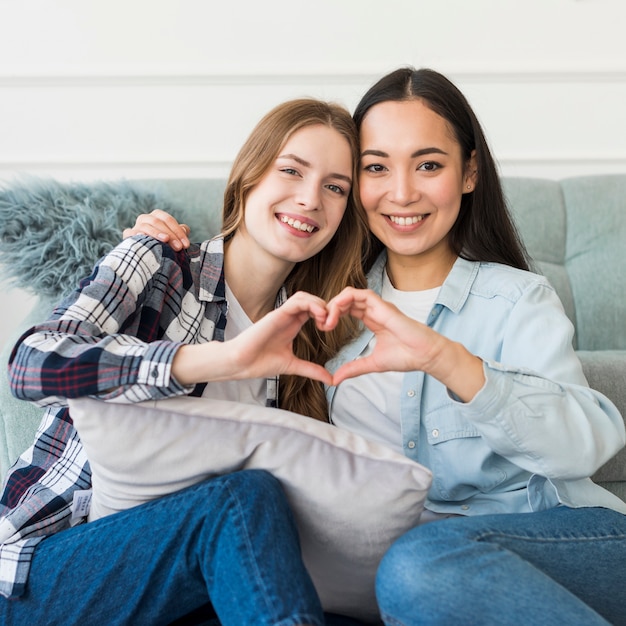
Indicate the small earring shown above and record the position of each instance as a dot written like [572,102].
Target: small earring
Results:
[469,186]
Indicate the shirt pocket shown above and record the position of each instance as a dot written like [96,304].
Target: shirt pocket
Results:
[462,463]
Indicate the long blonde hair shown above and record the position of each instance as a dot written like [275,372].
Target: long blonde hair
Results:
[338,265]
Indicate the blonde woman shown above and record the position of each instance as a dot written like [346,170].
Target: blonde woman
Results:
[217,319]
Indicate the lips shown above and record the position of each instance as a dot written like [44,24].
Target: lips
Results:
[409,220]
[298,223]
[405,222]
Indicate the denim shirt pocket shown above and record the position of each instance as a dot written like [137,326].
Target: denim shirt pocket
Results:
[462,463]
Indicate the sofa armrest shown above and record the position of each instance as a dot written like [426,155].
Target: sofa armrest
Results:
[606,372]
[19,419]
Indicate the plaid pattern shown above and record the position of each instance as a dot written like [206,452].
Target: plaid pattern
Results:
[114,338]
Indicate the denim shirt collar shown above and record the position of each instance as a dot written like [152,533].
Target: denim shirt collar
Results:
[454,291]
[452,295]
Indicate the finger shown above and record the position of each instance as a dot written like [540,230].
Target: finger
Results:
[302,315]
[340,308]
[311,370]
[303,302]
[358,367]
[141,228]
[162,226]
[176,231]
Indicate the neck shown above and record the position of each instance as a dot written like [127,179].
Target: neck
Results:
[254,281]
[419,272]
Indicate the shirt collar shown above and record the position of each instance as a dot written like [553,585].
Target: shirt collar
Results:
[454,291]
[211,258]
[212,282]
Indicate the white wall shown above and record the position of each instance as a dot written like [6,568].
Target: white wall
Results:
[170,88]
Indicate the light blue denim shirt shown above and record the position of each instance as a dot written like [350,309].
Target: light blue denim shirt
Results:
[535,432]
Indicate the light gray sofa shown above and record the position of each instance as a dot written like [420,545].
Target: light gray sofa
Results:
[575,230]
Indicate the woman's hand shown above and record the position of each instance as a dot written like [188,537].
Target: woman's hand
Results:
[264,349]
[403,344]
[162,226]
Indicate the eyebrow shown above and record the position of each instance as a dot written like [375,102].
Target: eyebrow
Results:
[417,153]
[305,163]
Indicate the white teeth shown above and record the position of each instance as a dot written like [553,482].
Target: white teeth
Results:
[406,221]
[297,224]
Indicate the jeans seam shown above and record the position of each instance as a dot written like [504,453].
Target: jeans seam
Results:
[293,620]
[249,551]
[493,534]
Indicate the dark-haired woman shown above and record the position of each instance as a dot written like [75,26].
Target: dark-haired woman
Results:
[467,366]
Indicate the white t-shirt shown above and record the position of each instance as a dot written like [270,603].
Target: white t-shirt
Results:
[375,398]
[249,391]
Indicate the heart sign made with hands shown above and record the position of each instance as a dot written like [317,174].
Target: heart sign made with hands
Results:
[402,344]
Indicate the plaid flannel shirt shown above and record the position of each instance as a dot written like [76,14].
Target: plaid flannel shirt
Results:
[114,338]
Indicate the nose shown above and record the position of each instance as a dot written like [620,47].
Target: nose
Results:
[403,189]
[308,196]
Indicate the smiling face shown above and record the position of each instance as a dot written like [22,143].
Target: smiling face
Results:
[297,206]
[412,177]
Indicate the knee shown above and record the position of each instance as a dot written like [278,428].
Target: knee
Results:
[258,488]
[252,480]
[417,569]
[401,582]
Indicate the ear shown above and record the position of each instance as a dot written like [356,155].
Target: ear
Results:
[470,178]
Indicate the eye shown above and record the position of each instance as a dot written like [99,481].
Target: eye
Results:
[290,170]
[429,166]
[375,168]
[336,189]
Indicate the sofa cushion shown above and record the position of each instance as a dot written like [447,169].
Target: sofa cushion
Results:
[351,497]
[18,419]
[596,259]
[538,208]
[605,371]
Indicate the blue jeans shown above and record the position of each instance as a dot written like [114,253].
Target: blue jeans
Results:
[230,541]
[558,567]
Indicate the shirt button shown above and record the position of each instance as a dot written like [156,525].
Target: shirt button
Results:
[465,507]
[411,444]
[435,432]
[410,393]
[155,372]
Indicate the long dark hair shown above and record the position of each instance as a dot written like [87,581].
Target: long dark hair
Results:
[484,229]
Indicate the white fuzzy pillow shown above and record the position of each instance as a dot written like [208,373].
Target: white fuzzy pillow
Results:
[351,497]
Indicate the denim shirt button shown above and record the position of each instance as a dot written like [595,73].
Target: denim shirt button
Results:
[435,432]
[410,393]
[411,444]
[465,507]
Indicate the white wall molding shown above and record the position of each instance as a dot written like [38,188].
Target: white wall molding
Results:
[151,79]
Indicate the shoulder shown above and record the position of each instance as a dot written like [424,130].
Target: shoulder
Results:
[494,280]
[143,251]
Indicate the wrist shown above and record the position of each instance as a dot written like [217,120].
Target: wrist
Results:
[205,362]
[458,369]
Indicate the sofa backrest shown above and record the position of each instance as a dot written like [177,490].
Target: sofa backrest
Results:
[596,259]
[575,231]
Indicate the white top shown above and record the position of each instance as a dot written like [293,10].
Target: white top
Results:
[364,404]
[249,391]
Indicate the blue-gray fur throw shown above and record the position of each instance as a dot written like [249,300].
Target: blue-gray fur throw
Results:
[52,233]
